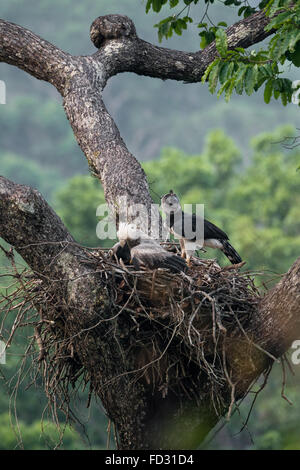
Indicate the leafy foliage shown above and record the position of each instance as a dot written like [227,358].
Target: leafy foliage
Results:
[257,205]
[242,196]
[36,436]
[207,33]
[247,72]
[76,203]
[30,172]
[238,70]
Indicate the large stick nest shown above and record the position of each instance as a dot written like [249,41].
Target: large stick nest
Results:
[180,323]
[175,326]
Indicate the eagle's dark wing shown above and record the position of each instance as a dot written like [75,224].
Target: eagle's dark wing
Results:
[210,230]
[154,256]
[214,237]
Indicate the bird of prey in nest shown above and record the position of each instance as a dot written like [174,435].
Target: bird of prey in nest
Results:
[144,251]
[212,236]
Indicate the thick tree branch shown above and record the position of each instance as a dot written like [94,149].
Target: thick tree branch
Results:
[26,50]
[82,79]
[144,418]
[99,138]
[274,330]
[131,54]
[30,225]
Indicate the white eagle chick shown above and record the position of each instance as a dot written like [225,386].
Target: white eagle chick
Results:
[147,252]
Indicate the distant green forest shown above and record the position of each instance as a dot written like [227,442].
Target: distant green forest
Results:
[228,156]
[151,114]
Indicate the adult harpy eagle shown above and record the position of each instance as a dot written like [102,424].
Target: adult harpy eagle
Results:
[147,252]
[212,237]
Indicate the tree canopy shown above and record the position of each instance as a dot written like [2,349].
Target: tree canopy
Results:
[236,68]
[233,185]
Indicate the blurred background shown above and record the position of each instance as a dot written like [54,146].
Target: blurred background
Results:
[229,156]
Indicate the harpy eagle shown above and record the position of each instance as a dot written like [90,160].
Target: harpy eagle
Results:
[212,237]
[145,251]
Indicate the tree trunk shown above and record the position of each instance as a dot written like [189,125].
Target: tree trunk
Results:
[144,417]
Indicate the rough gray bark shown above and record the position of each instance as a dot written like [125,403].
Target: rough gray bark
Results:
[31,226]
[81,81]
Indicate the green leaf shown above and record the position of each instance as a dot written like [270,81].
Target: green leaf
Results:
[284,98]
[229,90]
[148,5]
[294,41]
[207,38]
[243,8]
[279,47]
[208,70]
[164,30]
[156,5]
[230,70]
[276,94]
[267,69]
[250,78]
[261,78]
[188,19]
[221,42]
[177,27]
[268,91]
[249,11]
[182,23]
[263,4]
[239,80]
[287,85]
[213,78]
[278,20]
[295,56]
[223,72]
[223,87]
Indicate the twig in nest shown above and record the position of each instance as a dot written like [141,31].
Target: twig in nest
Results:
[266,376]
[39,342]
[284,383]
[108,434]
[179,321]
[232,385]
[234,266]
